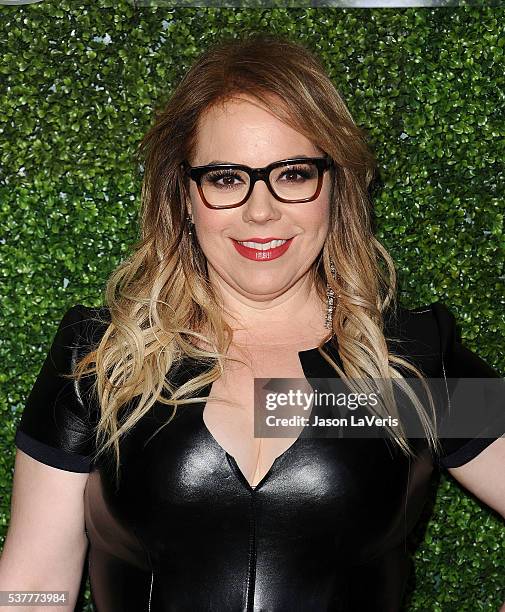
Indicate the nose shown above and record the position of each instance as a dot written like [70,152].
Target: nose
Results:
[261,204]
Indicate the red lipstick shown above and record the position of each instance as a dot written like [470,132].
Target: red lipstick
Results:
[258,254]
[262,240]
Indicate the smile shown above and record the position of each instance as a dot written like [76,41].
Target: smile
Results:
[262,252]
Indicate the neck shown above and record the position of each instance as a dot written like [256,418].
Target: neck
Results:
[287,318]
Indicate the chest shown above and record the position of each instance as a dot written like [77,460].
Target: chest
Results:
[179,486]
[178,482]
[230,410]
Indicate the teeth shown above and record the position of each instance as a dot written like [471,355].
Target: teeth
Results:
[263,247]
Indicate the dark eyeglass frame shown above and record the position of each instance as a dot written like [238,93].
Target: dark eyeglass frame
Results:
[259,174]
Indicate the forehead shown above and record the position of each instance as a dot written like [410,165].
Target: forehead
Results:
[241,130]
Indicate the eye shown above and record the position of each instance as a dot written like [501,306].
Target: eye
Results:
[214,177]
[305,172]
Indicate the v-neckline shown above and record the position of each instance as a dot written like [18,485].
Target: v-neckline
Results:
[313,366]
[232,462]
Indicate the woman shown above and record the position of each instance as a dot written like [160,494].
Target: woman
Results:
[257,260]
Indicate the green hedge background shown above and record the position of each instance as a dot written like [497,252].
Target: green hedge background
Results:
[78,86]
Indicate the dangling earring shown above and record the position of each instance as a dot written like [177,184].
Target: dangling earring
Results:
[190,223]
[330,296]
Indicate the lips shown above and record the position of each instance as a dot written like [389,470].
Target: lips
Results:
[260,240]
[262,255]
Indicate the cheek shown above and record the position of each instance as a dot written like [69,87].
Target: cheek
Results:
[211,231]
[317,218]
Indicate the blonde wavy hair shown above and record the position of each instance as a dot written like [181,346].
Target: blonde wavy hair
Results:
[160,299]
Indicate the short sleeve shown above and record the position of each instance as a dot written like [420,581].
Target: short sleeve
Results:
[459,362]
[55,427]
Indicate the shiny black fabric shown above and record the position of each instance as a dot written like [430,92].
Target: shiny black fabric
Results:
[324,530]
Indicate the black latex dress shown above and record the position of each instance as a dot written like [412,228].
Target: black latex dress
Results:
[323,530]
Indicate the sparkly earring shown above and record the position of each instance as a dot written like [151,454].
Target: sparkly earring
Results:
[190,223]
[330,295]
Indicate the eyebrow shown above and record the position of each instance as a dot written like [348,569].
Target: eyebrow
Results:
[219,161]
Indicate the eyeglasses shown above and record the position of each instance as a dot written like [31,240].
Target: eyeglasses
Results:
[229,185]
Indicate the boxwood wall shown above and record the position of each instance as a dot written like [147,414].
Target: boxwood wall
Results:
[79,83]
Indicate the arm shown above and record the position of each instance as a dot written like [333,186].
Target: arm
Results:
[484,475]
[46,544]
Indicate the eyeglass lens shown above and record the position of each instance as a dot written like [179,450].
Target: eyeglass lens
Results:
[228,186]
